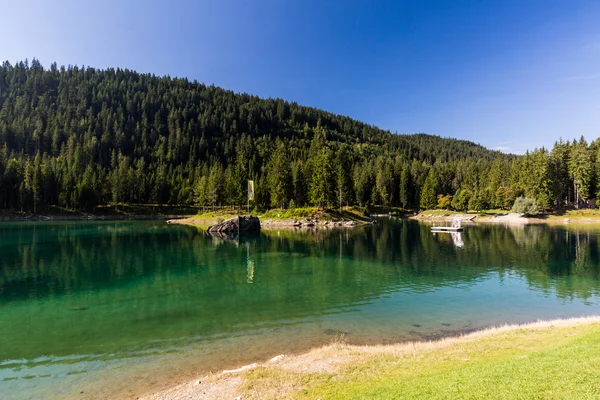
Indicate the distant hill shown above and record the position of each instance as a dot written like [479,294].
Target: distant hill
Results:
[78,137]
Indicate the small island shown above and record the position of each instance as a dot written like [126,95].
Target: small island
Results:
[309,217]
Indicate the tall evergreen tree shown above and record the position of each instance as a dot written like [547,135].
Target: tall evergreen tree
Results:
[343,178]
[428,193]
[580,171]
[404,187]
[279,176]
[321,185]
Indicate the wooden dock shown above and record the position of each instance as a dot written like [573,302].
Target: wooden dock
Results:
[455,227]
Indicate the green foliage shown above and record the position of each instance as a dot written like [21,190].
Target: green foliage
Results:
[444,202]
[343,177]
[300,185]
[279,176]
[321,185]
[428,195]
[477,202]
[201,192]
[215,185]
[525,206]
[79,138]
[404,188]
[580,169]
[461,199]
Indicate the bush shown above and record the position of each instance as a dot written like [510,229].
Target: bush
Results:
[292,205]
[444,202]
[525,206]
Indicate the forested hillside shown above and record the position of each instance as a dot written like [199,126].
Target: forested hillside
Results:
[79,137]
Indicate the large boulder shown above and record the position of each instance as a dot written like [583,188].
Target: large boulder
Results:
[242,223]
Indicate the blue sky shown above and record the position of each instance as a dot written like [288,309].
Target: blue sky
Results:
[509,74]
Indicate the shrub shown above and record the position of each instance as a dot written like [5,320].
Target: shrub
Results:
[444,202]
[525,206]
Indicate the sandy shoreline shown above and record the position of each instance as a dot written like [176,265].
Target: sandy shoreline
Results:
[229,384]
[509,218]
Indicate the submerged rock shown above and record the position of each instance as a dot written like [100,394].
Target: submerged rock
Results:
[242,223]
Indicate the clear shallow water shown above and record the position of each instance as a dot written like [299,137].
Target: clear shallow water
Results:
[100,309]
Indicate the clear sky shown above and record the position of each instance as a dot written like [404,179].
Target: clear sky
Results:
[509,74]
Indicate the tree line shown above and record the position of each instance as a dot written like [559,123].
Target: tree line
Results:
[79,137]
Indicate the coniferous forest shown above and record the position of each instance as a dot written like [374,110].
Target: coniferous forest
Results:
[79,137]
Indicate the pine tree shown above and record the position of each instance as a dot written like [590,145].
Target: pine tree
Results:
[580,170]
[404,186]
[343,177]
[428,194]
[559,173]
[321,187]
[215,185]
[300,185]
[279,176]
[383,182]
[201,195]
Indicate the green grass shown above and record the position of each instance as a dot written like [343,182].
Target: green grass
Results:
[445,213]
[591,214]
[439,213]
[347,213]
[396,211]
[583,218]
[588,212]
[291,213]
[224,213]
[546,363]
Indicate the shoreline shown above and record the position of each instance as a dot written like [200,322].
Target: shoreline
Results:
[91,217]
[332,359]
[272,224]
[293,224]
[510,218]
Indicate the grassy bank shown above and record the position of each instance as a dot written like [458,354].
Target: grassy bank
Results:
[549,360]
[587,216]
[312,213]
[438,214]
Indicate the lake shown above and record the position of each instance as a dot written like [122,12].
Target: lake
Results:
[102,309]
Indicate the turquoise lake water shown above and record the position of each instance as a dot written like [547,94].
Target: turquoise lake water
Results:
[115,309]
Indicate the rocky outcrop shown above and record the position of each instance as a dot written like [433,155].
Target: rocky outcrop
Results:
[242,223]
